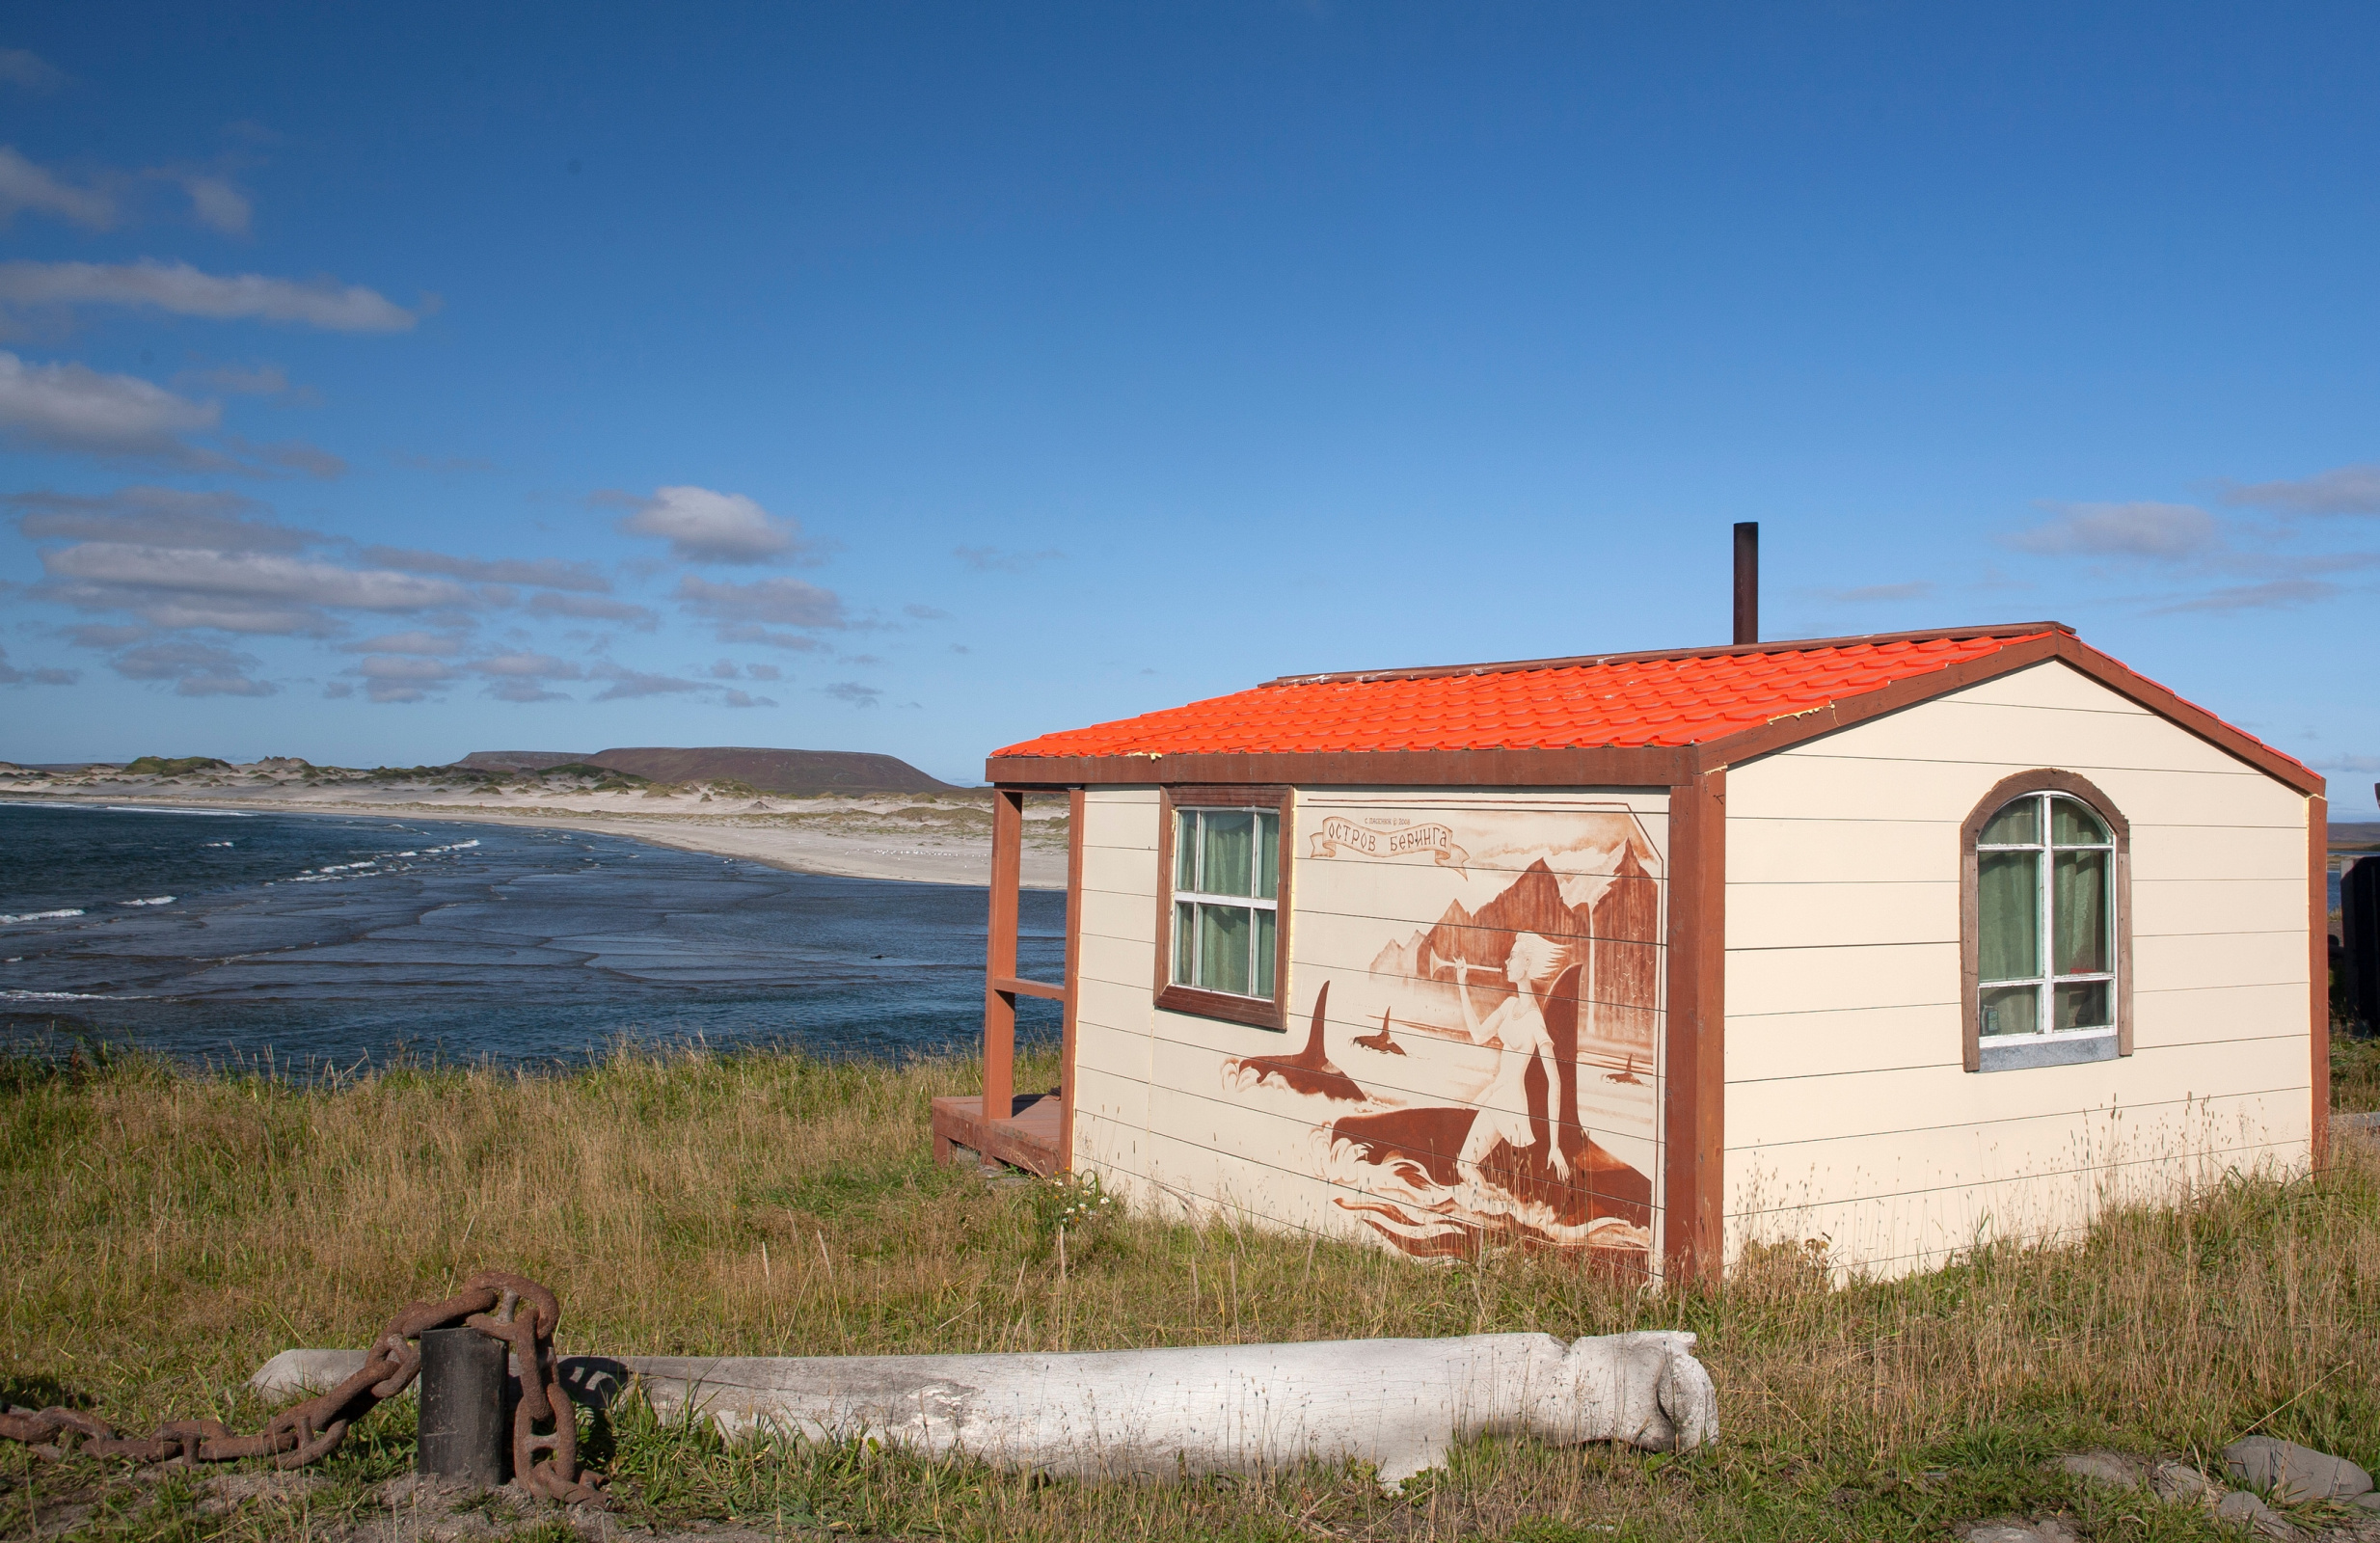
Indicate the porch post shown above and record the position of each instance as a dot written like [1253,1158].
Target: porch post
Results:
[1007,821]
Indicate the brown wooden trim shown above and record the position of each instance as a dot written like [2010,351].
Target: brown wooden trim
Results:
[1623,767]
[1008,822]
[1018,986]
[1075,837]
[1255,1012]
[1734,749]
[2318,965]
[1695,1064]
[1970,909]
[2006,629]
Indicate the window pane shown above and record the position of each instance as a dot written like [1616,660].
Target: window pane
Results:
[2008,913]
[2084,1006]
[1223,949]
[2078,912]
[1185,943]
[1186,850]
[1268,862]
[2009,1010]
[1264,953]
[1226,846]
[2073,825]
[2019,825]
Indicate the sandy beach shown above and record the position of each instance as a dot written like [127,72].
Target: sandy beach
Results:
[924,840]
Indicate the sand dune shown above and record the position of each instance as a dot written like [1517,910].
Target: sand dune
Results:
[942,840]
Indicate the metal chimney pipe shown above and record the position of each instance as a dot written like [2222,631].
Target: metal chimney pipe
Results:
[1747,582]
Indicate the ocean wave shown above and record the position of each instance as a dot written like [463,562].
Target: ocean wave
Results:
[40,916]
[155,900]
[65,996]
[137,808]
[217,842]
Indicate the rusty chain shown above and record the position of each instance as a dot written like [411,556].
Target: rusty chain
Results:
[491,1302]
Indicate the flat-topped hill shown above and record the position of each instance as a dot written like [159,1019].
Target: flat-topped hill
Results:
[790,772]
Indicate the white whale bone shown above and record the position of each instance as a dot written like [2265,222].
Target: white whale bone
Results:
[1398,1404]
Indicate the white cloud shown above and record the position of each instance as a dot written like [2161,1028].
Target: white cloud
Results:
[25,187]
[2278,594]
[264,380]
[155,516]
[31,71]
[550,573]
[762,672]
[403,667]
[441,644]
[588,607]
[218,204]
[753,633]
[853,692]
[72,407]
[185,291]
[2159,531]
[290,455]
[529,667]
[10,675]
[924,613]
[249,575]
[735,698]
[701,525]
[197,670]
[629,684]
[784,602]
[2342,489]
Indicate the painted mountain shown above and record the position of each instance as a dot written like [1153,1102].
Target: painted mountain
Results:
[1614,937]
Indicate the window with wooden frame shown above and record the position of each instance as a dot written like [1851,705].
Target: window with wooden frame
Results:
[2045,932]
[1223,914]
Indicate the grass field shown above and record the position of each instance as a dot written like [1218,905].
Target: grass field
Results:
[163,1232]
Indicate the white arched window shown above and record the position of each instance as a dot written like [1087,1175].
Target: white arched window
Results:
[2044,927]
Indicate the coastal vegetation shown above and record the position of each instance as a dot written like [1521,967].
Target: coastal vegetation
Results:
[163,1230]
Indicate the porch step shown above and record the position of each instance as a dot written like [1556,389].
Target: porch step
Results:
[1028,1139]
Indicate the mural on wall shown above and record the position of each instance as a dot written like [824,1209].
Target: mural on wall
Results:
[1479,1059]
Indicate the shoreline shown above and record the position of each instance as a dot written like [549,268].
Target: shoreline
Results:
[802,848]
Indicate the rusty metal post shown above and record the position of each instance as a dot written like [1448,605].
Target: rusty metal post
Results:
[1747,582]
[466,1421]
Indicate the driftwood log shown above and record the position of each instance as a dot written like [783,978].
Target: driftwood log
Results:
[1398,1404]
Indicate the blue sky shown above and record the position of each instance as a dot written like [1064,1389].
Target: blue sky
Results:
[378,385]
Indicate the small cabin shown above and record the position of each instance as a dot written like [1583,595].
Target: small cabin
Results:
[1894,944]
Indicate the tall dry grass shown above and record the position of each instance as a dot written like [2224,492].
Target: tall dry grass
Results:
[163,1232]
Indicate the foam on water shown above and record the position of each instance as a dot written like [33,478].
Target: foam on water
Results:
[330,937]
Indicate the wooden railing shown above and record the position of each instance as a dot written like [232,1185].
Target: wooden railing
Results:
[1003,986]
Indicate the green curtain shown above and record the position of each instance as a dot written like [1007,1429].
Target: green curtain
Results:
[2073,825]
[1226,842]
[1268,861]
[2078,912]
[2009,1010]
[1223,949]
[2009,910]
[2019,825]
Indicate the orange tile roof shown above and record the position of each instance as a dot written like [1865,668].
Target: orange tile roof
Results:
[1630,700]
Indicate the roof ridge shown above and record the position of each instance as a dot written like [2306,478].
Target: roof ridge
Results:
[2016,628]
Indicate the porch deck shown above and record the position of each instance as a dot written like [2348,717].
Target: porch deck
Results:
[1028,1139]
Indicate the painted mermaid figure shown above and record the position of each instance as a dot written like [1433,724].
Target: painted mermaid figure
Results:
[1519,1026]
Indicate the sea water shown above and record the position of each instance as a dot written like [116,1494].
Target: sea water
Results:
[335,940]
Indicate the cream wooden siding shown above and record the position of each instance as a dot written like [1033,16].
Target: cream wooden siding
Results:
[1848,1115]
[1162,1116]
